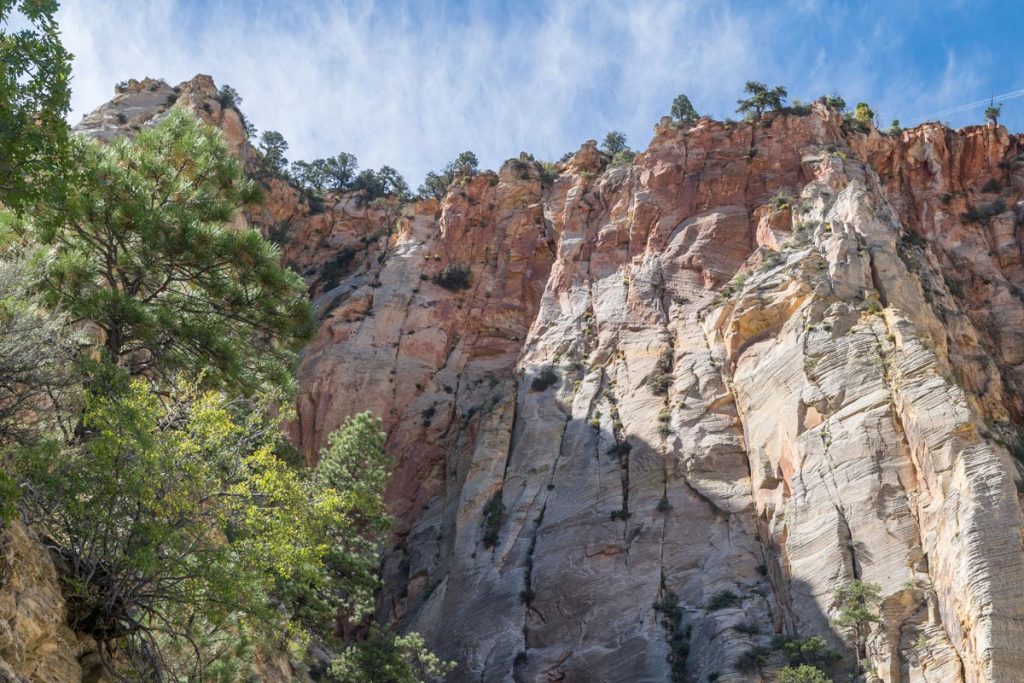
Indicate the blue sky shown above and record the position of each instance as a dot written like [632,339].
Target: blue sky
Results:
[411,84]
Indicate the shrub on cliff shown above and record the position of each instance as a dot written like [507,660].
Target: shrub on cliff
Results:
[613,143]
[993,112]
[271,148]
[802,674]
[762,98]
[858,611]
[683,111]
[454,277]
[435,185]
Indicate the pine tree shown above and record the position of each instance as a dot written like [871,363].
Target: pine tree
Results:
[683,111]
[143,250]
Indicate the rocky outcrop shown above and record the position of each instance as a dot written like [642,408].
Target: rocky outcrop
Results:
[681,402]
[35,643]
[686,400]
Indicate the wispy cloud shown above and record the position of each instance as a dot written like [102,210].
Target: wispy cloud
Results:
[411,85]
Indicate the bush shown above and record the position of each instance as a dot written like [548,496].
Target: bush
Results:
[722,600]
[813,651]
[983,213]
[175,517]
[336,267]
[545,379]
[623,157]
[762,98]
[614,142]
[493,511]
[454,277]
[751,660]
[659,382]
[834,102]
[436,185]
[802,674]
[228,97]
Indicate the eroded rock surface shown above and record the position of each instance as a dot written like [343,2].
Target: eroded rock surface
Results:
[784,356]
[683,401]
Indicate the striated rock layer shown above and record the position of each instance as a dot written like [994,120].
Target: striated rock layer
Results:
[682,401]
[784,356]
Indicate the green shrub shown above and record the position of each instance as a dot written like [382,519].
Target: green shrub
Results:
[336,267]
[683,111]
[722,600]
[623,157]
[750,661]
[454,277]
[659,382]
[813,651]
[802,674]
[493,511]
[762,98]
[545,379]
[983,213]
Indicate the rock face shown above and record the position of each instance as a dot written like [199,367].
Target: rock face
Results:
[682,402]
[35,643]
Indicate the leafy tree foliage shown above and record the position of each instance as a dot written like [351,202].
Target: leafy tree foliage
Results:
[683,111]
[385,182]
[320,175]
[384,658]
[354,465]
[142,250]
[802,674]
[762,98]
[338,173]
[614,142]
[993,112]
[228,97]
[272,148]
[858,611]
[174,517]
[833,101]
[34,92]
[863,114]
[436,184]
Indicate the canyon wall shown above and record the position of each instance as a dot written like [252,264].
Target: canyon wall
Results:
[685,400]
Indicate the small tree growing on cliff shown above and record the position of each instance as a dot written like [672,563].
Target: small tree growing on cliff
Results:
[858,610]
[614,142]
[272,148]
[762,98]
[683,111]
[993,112]
[435,185]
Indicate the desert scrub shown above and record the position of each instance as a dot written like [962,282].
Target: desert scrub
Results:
[454,277]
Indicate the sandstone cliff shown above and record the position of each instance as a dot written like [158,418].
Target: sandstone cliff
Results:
[784,356]
[685,400]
